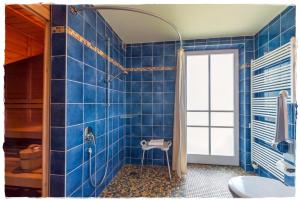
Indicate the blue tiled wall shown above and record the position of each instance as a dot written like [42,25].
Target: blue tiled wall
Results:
[150,94]
[275,34]
[78,100]
[150,99]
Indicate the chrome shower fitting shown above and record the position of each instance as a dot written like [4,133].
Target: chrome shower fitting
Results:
[89,135]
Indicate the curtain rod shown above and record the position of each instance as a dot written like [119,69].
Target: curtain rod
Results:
[75,10]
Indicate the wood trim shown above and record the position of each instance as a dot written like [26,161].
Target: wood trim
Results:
[25,17]
[46,112]
[39,10]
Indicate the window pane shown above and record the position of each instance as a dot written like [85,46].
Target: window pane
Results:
[197,141]
[222,119]
[197,118]
[222,141]
[222,81]
[197,82]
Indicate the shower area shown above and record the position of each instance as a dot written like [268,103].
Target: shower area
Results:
[108,96]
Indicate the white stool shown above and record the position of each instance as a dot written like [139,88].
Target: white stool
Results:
[165,148]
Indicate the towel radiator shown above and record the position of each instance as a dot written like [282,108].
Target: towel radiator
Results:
[270,74]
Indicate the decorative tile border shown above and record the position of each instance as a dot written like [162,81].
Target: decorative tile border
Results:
[74,34]
[151,69]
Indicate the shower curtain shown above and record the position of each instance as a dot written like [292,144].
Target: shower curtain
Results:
[179,162]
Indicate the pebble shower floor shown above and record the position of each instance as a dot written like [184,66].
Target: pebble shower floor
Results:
[201,181]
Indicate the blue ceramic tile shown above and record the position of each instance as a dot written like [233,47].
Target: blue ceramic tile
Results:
[59,118]
[274,28]
[57,186]
[170,61]
[75,22]
[170,75]
[158,75]
[288,19]
[58,67]
[146,108]
[136,76]
[90,17]
[147,49]
[147,76]
[157,86]
[287,35]
[136,51]
[89,75]
[77,193]
[169,49]
[158,97]
[90,33]
[89,112]
[136,62]
[57,162]
[169,86]
[275,43]
[58,15]
[74,92]
[147,97]
[100,111]
[74,48]
[89,94]
[58,139]
[74,114]
[58,44]
[158,61]
[74,136]
[74,158]
[73,180]
[57,91]
[147,120]
[158,49]
[263,36]
[147,61]
[75,70]
[89,56]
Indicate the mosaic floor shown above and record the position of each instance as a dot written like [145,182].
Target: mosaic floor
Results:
[201,181]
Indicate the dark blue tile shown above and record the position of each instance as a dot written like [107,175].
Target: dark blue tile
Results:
[57,186]
[147,61]
[89,112]
[136,98]
[90,17]
[168,108]
[58,139]
[147,76]
[74,114]
[147,120]
[58,44]
[147,97]
[57,91]
[100,26]
[89,94]
[89,56]
[59,118]
[147,49]
[89,75]
[286,36]
[158,119]
[168,120]
[90,33]
[275,43]
[146,108]
[74,48]
[136,86]
[158,49]
[263,36]
[75,22]
[74,158]
[58,15]
[74,136]
[170,75]
[101,95]
[169,49]
[158,61]
[169,86]
[158,97]
[158,75]
[170,61]
[74,92]
[57,162]
[158,109]
[136,76]
[136,51]
[100,111]
[75,70]
[58,66]
[77,193]
[136,62]
[288,20]
[157,86]
[274,28]
[73,180]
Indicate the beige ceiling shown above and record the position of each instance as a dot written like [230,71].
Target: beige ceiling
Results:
[194,21]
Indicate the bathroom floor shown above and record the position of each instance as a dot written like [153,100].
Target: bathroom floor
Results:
[202,181]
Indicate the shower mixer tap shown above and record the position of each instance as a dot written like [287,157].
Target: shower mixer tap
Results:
[89,135]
